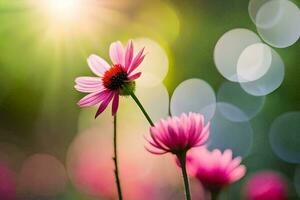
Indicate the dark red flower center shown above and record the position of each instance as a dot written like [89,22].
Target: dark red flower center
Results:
[115,77]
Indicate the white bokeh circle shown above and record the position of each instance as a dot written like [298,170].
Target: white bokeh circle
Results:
[270,81]
[193,95]
[285,31]
[254,62]
[229,48]
[269,18]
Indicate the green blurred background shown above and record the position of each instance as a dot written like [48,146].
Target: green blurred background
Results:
[40,58]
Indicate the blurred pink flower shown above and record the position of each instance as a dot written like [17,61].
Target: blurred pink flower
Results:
[90,168]
[266,185]
[7,183]
[112,81]
[214,169]
[178,134]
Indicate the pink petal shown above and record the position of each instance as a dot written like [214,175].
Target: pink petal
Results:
[136,61]
[190,128]
[205,133]
[89,89]
[104,104]
[179,133]
[115,103]
[238,173]
[226,158]
[234,163]
[86,80]
[199,123]
[152,143]
[92,99]
[128,55]
[135,76]
[98,65]
[116,53]
[157,152]
[157,141]
[174,139]
[216,153]
[88,84]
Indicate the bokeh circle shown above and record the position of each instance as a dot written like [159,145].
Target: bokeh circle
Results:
[224,134]
[155,66]
[270,81]
[284,137]
[232,93]
[42,175]
[286,30]
[229,48]
[269,18]
[193,95]
[254,62]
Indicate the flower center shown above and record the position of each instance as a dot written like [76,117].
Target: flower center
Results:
[115,78]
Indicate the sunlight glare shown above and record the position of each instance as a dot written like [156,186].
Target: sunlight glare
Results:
[62,9]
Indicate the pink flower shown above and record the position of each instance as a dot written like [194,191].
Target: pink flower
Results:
[266,185]
[178,134]
[113,80]
[214,169]
[7,183]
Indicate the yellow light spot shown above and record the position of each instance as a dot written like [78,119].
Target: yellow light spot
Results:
[62,10]
[61,7]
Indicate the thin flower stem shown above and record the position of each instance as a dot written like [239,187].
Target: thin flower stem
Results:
[214,195]
[115,158]
[181,158]
[142,108]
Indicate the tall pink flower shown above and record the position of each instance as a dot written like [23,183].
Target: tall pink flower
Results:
[113,80]
[214,169]
[178,134]
[266,185]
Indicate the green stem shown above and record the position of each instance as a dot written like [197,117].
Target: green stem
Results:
[215,195]
[142,108]
[116,160]
[182,157]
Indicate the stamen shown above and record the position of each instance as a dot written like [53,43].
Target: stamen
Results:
[115,78]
